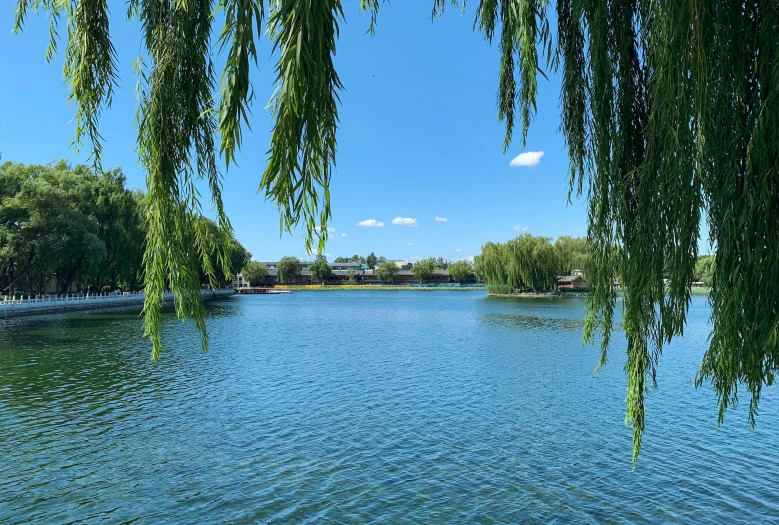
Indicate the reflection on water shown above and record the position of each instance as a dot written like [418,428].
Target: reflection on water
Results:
[361,407]
[532,322]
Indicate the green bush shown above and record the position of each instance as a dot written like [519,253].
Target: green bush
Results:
[500,289]
[575,289]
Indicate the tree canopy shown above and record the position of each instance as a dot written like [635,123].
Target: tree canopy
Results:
[704,269]
[288,269]
[573,254]
[526,262]
[668,108]
[387,272]
[320,270]
[441,263]
[460,270]
[254,272]
[353,259]
[423,269]
[81,228]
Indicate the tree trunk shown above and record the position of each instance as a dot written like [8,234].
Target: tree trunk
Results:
[66,281]
[11,277]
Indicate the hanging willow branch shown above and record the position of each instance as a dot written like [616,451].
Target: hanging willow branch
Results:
[669,108]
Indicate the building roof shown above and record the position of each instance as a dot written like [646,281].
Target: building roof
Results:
[346,264]
[569,278]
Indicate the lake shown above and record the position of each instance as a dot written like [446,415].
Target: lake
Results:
[366,407]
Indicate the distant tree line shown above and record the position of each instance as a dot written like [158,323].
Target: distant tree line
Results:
[79,227]
[372,261]
[530,263]
[289,269]
[458,271]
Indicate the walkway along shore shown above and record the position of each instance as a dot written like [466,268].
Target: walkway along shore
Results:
[87,303]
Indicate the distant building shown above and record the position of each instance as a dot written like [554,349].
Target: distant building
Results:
[402,264]
[340,274]
[570,281]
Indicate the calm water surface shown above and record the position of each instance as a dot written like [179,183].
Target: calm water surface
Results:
[360,407]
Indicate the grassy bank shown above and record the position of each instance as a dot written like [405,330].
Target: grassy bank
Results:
[693,291]
[362,287]
[546,295]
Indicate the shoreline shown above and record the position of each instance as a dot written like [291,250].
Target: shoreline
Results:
[90,305]
[357,288]
[553,295]
[549,295]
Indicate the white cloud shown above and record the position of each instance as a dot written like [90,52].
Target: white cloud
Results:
[343,235]
[520,229]
[458,250]
[371,223]
[469,259]
[405,221]
[411,244]
[528,159]
[442,219]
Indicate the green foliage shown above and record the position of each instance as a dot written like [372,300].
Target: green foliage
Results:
[305,108]
[122,226]
[237,256]
[46,225]
[573,289]
[441,263]
[320,271]
[573,254]
[460,271]
[387,272]
[704,269]
[667,108]
[288,269]
[79,227]
[423,270]
[254,272]
[524,262]
[352,259]
[500,289]
[350,274]
[371,260]
[477,268]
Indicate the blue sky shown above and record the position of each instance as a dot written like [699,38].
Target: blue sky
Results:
[419,138]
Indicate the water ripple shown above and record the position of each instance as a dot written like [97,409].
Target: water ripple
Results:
[365,408]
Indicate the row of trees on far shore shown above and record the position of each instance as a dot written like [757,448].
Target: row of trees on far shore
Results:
[458,270]
[373,261]
[530,262]
[533,263]
[63,227]
[289,268]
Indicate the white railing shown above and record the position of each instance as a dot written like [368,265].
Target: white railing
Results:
[49,300]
